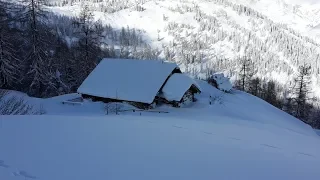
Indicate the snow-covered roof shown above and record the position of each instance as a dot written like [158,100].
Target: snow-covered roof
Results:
[176,87]
[127,79]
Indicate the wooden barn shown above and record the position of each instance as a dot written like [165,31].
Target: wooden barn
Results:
[142,83]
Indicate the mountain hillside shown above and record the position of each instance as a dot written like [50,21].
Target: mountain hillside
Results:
[301,15]
[204,36]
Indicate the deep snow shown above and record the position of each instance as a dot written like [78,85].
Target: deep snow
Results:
[237,137]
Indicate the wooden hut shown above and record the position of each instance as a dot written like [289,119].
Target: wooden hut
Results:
[135,81]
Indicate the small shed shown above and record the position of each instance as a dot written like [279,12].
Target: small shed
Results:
[179,90]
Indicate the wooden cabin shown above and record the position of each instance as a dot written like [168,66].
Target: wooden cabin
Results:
[138,82]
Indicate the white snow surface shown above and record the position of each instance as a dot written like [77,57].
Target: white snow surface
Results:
[242,138]
[176,86]
[301,15]
[127,79]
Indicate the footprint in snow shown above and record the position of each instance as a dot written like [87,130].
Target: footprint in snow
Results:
[24,174]
[2,164]
[306,154]
[233,138]
[270,146]
[179,127]
[210,133]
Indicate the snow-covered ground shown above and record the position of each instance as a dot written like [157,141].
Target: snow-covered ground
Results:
[237,137]
[301,15]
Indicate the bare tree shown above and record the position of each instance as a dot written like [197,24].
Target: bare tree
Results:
[246,73]
[9,69]
[301,92]
[90,35]
[11,105]
[316,118]
[255,87]
[270,94]
[38,55]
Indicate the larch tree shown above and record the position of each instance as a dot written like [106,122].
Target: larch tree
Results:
[89,50]
[37,60]
[270,94]
[9,62]
[246,73]
[255,87]
[301,91]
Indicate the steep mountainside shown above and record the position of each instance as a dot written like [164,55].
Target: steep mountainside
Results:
[208,35]
[301,15]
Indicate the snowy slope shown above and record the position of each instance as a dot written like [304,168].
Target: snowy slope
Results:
[132,147]
[244,107]
[237,137]
[301,15]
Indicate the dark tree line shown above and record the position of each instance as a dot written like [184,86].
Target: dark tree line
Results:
[34,58]
[45,55]
[295,100]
